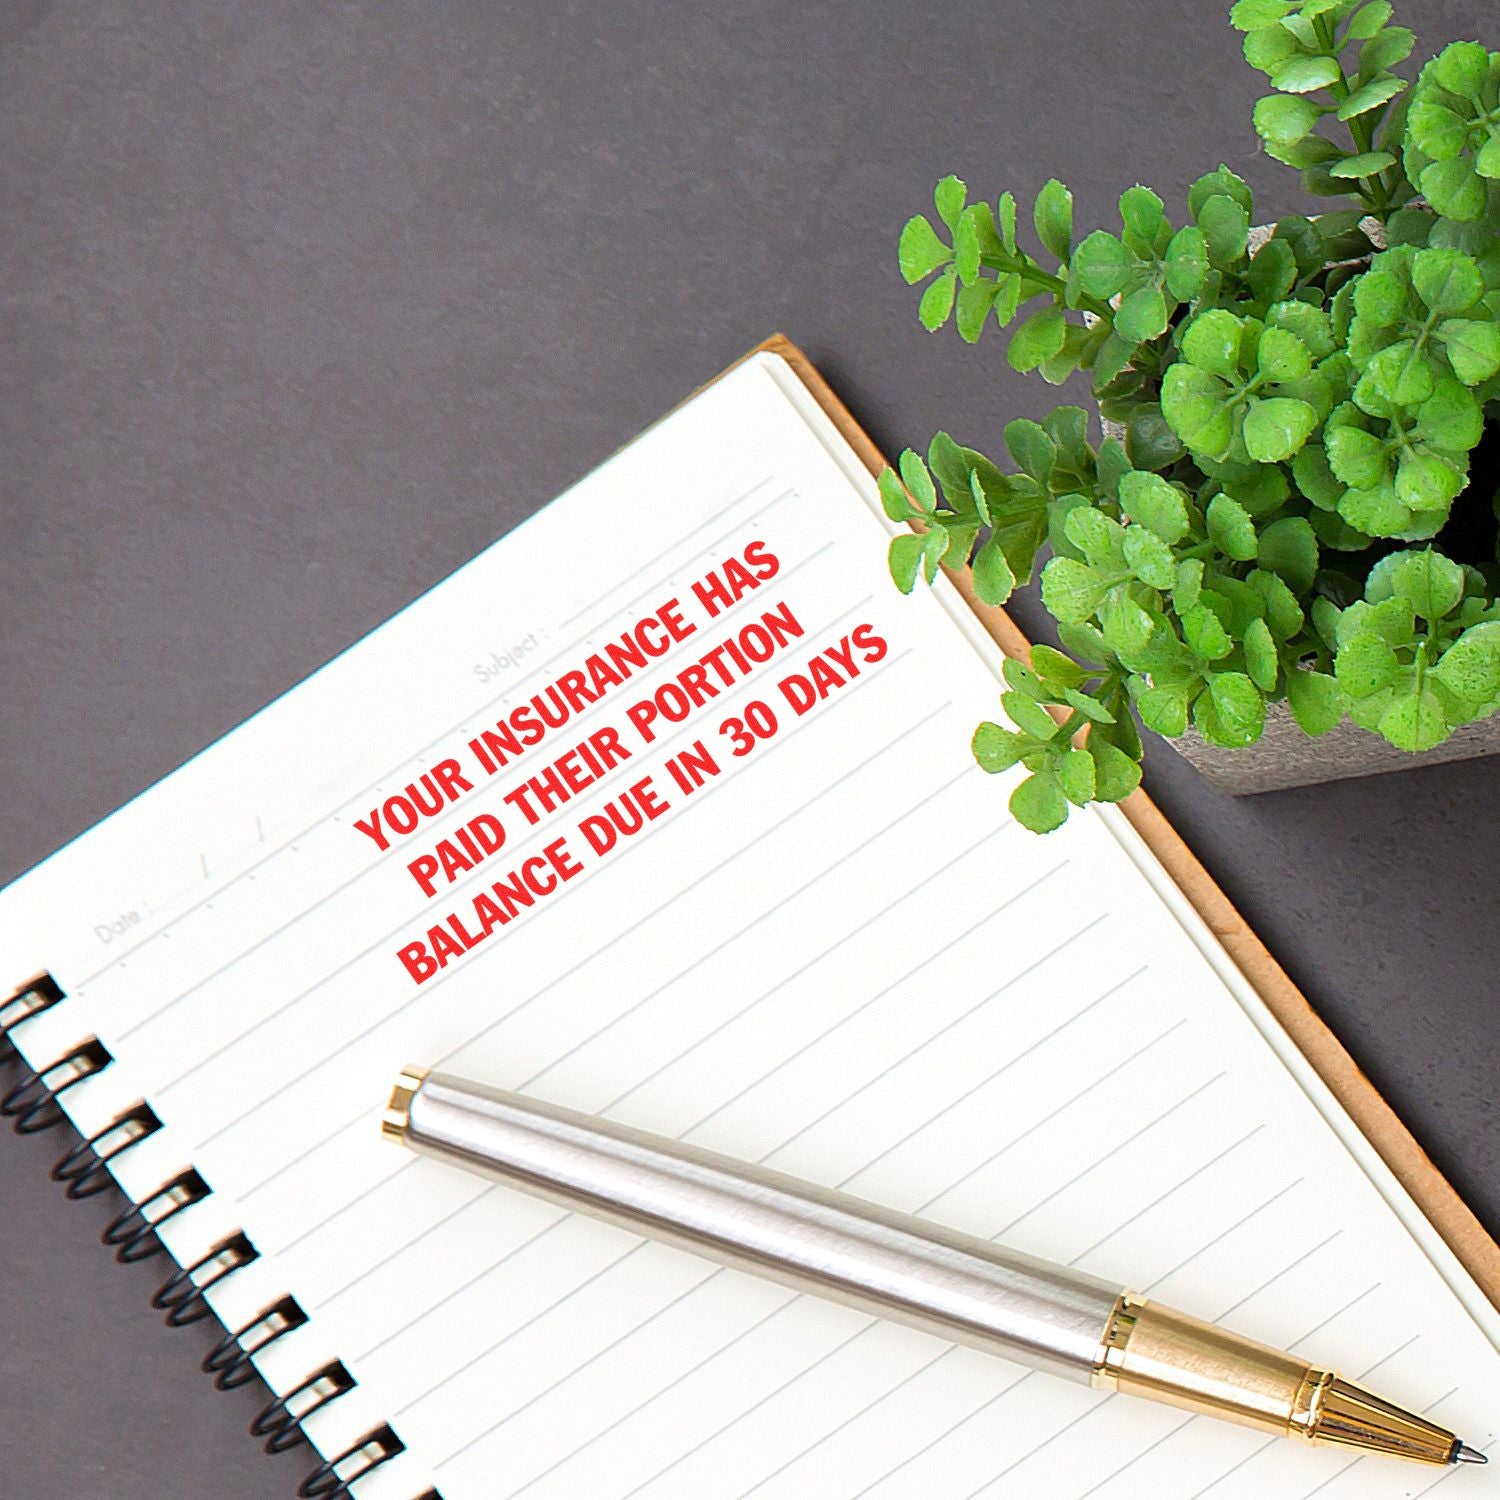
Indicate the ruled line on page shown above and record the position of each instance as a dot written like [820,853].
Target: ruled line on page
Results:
[867,1328]
[728,859]
[671,1385]
[1003,1068]
[663,906]
[838,943]
[984,1083]
[895,984]
[432,985]
[454,728]
[801,1374]
[1182,1265]
[457,814]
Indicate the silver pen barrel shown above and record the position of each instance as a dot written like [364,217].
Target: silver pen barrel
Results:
[891,1265]
[813,1239]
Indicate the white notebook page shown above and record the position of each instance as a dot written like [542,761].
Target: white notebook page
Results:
[837,956]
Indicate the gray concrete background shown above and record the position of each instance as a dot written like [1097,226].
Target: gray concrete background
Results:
[305,304]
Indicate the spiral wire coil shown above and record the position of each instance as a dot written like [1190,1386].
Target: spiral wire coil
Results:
[32,1105]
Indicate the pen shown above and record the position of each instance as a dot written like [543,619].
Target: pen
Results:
[954,1285]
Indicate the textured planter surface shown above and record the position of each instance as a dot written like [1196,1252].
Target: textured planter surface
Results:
[1284,756]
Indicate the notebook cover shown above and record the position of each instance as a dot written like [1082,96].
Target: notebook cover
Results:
[1366,1106]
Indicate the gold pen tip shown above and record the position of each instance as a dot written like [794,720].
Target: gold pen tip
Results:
[397,1116]
[1464,1454]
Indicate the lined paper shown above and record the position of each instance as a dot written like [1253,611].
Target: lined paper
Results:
[840,958]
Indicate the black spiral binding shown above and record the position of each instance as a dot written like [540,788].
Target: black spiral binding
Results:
[84,1170]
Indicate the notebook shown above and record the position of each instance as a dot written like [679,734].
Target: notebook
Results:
[663,807]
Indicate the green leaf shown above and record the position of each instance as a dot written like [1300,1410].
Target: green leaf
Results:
[937,301]
[1365,665]
[1273,271]
[1091,708]
[1053,217]
[1427,482]
[1150,501]
[949,198]
[1371,96]
[1142,314]
[1031,448]
[1241,730]
[1037,339]
[1226,229]
[921,252]
[1187,264]
[1315,699]
[1056,669]
[1454,189]
[1473,348]
[994,582]
[1368,20]
[1448,281]
[893,497]
[1150,442]
[918,481]
[1380,298]
[1315,477]
[1071,590]
[1289,549]
[1116,774]
[1393,44]
[1205,636]
[1285,118]
[935,542]
[1470,667]
[1029,716]
[905,561]
[1281,355]
[1197,405]
[1451,417]
[1142,219]
[1302,75]
[1251,15]
[1357,457]
[1149,558]
[1220,181]
[1462,68]
[1415,721]
[1366,164]
[1230,527]
[967,254]
[1006,210]
[1126,625]
[1075,774]
[1039,803]
[1189,584]
[1276,428]
[1282,612]
[1100,265]
[1261,659]
[974,303]
[1212,343]
[997,749]
[1428,581]
[1164,709]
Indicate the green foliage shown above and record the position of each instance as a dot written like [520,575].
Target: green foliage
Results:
[1294,423]
[1453,133]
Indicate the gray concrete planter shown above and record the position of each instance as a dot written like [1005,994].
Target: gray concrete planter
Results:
[1284,756]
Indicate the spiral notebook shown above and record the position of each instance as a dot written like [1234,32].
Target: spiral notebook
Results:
[663,807]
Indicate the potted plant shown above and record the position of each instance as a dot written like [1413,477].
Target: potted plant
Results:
[1292,517]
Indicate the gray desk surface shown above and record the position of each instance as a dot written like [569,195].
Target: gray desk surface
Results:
[303,305]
